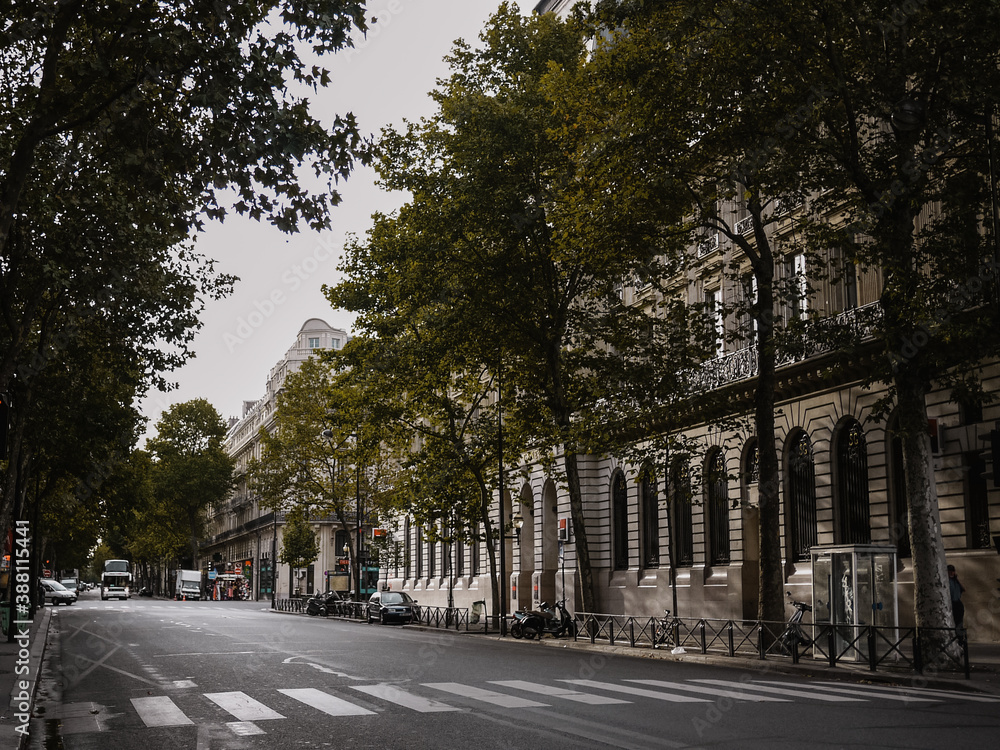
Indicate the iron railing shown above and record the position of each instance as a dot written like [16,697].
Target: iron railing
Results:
[877,648]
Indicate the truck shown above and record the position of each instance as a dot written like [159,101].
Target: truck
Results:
[187,585]
[116,580]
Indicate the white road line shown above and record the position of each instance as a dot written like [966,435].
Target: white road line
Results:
[558,692]
[868,696]
[244,728]
[487,696]
[801,693]
[956,694]
[627,689]
[325,702]
[402,698]
[740,695]
[160,711]
[242,706]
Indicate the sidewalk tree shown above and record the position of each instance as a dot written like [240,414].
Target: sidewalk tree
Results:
[299,547]
[191,469]
[125,127]
[487,174]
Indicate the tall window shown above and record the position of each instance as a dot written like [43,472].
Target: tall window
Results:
[977,507]
[801,498]
[475,551]
[716,331]
[619,515]
[899,528]
[853,518]
[407,549]
[650,519]
[432,553]
[718,509]
[681,524]
[420,552]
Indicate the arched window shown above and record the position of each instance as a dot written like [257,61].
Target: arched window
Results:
[619,518]
[650,519]
[853,517]
[717,487]
[801,504]
[681,525]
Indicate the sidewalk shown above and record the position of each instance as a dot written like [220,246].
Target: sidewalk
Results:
[19,679]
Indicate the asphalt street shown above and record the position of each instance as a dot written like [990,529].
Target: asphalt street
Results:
[230,675]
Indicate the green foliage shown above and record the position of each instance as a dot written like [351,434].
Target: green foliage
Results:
[191,469]
[298,540]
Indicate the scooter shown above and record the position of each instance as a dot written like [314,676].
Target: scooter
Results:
[556,621]
[321,604]
[794,635]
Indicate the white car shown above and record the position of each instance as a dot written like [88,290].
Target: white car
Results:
[56,593]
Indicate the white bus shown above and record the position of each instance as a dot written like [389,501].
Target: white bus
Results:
[116,581]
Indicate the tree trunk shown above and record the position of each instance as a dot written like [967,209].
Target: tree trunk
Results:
[583,564]
[771,602]
[931,597]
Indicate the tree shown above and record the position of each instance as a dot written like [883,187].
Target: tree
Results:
[192,469]
[298,540]
[124,127]
[486,222]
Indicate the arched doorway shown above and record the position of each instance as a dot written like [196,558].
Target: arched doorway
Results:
[524,574]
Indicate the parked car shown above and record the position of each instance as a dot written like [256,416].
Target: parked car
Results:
[74,584]
[145,591]
[387,606]
[56,593]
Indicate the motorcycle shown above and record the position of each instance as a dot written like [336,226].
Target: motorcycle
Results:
[321,604]
[554,620]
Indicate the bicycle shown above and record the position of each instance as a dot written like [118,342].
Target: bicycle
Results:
[793,635]
[663,631]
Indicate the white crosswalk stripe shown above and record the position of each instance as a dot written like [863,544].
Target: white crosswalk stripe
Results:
[160,711]
[800,691]
[859,693]
[487,696]
[629,690]
[557,692]
[393,694]
[242,706]
[740,695]
[325,702]
[956,695]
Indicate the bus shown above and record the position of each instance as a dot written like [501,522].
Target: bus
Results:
[116,581]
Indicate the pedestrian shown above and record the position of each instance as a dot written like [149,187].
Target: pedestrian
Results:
[958,609]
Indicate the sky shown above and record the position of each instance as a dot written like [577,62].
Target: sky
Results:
[385,79]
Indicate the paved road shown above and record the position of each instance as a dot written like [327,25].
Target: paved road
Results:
[230,675]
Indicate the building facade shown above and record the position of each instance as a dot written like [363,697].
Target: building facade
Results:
[244,538]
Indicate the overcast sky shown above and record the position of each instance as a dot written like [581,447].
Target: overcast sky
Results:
[385,79]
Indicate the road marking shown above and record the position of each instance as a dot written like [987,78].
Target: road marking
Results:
[850,691]
[723,692]
[244,728]
[160,711]
[325,702]
[558,692]
[242,706]
[487,696]
[393,694]
[802,693]
[637,691]
[925,691]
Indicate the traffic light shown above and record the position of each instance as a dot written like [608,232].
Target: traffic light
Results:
[4,423]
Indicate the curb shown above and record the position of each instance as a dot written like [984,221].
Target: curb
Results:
[17,695]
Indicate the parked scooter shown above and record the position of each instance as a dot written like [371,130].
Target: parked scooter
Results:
[529,623]
[321,604]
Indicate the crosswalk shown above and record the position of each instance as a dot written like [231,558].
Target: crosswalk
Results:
[246,713]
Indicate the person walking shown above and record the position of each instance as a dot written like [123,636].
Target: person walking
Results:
[958,609]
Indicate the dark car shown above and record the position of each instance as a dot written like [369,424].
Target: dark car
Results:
[390,606]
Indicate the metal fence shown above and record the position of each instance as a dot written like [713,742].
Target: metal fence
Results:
[878,648]
[454,618]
